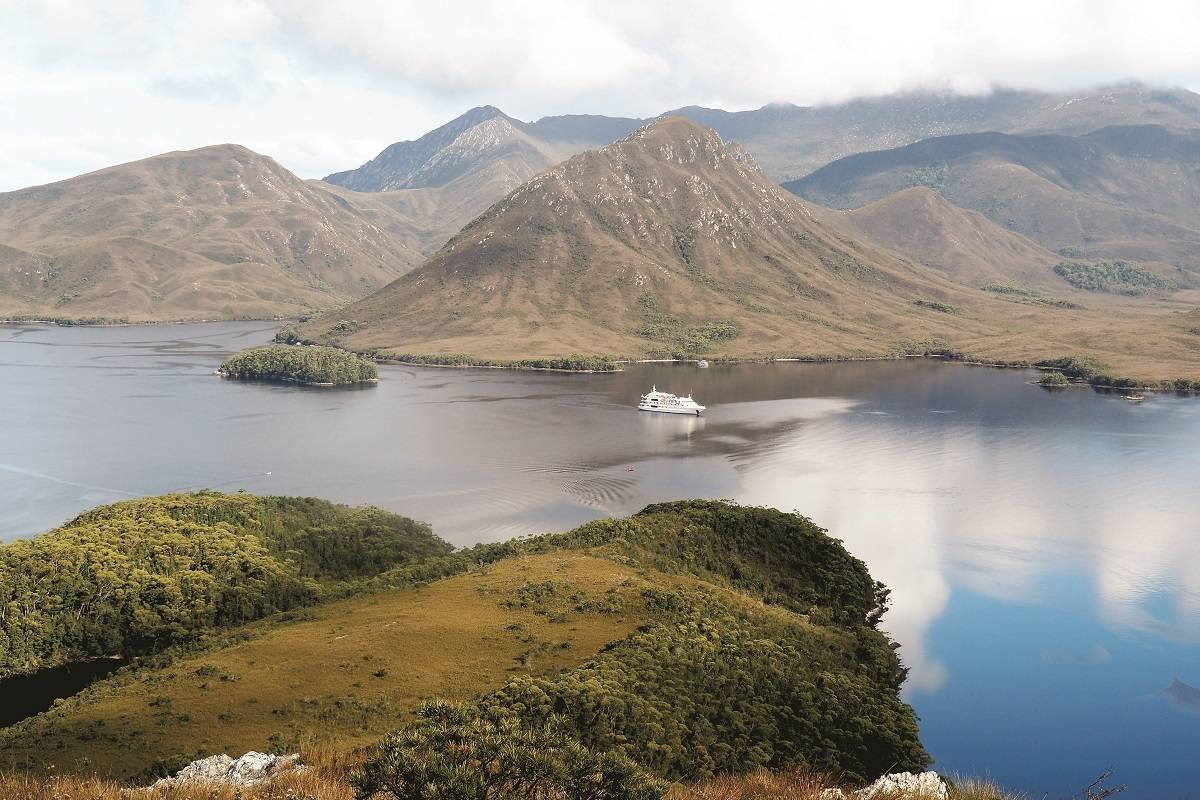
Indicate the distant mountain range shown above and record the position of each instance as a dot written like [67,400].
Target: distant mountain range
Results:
[215,233]
[1120,191]
[932,197]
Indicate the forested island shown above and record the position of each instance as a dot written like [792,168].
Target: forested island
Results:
[312,365]
[692,640]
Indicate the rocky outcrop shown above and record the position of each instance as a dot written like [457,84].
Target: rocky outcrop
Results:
[250,770]
[908,785]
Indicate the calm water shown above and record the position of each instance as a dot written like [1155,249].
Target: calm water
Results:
[1043,549]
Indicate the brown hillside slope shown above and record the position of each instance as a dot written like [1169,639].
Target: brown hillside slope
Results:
[967,246]
[219,232]
[669,241]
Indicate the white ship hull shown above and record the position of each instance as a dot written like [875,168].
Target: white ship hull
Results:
[667,403]
[695,412]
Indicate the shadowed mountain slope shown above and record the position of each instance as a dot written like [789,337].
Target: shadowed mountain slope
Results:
[1128,192]
[791,141]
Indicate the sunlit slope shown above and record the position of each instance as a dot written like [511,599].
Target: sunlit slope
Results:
[220,232]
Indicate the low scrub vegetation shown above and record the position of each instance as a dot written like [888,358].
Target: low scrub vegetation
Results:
[679,338]
[1031,297]
[307,364]
[1053,379]
[570,363]
[137,577]
[936,305]
[1117,277]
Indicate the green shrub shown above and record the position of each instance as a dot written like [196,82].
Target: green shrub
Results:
[1053,379]
[310,364]
[936,305]
[707,687]
[455,752]
[1119,277]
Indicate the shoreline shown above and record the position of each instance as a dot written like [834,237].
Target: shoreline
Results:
[1160,388]
[102,322]
[1163,386]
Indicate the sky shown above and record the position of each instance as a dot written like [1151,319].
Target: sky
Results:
[323,86]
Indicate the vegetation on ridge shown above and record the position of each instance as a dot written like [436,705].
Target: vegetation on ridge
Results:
[139,576]
[691,639]
[308,364]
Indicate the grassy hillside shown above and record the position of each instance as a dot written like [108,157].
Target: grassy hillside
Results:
[965,245]
[215,233]
[692,638]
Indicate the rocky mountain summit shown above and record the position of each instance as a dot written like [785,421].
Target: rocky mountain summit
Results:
[476,140]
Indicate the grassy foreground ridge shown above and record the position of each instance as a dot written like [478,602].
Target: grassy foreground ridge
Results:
[691,640]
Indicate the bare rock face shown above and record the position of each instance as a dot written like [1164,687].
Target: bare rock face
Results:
[250,770]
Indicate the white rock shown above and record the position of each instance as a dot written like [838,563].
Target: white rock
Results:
[251,769]
[922,785]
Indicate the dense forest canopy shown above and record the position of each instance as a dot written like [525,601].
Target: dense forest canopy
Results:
[311,364]
[138,576]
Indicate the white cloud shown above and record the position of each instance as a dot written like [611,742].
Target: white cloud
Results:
[332,83]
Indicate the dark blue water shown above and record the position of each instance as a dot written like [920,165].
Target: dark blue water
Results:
[1043,548]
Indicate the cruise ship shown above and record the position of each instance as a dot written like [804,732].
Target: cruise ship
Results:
[669,403]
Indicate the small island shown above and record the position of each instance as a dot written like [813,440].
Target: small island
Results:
[310,365]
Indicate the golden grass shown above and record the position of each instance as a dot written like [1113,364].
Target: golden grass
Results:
[326,779]
[800,784]
[349,674]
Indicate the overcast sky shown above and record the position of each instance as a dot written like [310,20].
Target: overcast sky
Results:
[323,86]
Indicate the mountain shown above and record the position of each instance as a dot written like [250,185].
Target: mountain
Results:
[480,138]
[450,175]
[965,245]
[447,177]
[219,232]
[666,241]
[1122,192]
[671,242]
[792,141]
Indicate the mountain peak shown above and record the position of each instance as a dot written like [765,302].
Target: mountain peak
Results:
[421,163]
